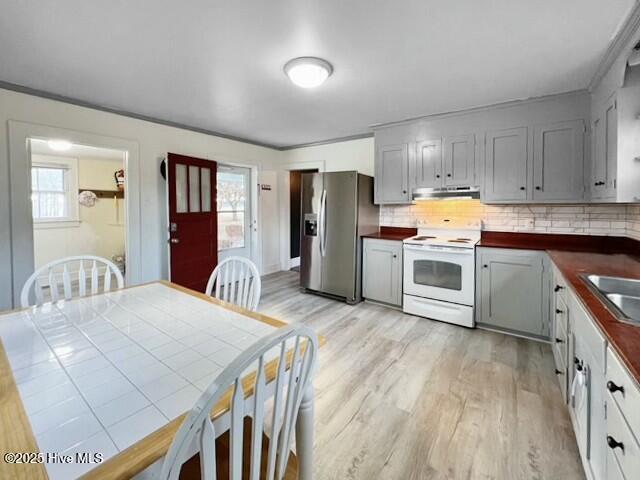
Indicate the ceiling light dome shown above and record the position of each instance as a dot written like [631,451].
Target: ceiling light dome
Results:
[308,72]
[59,145]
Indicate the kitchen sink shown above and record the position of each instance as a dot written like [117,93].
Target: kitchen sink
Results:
[621,295]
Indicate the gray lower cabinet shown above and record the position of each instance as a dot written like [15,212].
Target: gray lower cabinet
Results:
[513,290]
[382,271]
[392,174]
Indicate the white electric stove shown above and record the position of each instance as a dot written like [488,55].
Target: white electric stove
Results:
[439,274]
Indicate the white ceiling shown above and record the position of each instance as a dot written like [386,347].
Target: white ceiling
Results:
[41,147]
[217,65]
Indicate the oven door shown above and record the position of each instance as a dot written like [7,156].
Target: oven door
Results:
[441,273]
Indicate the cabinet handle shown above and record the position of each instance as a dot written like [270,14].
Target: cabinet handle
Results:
[576,360]
[448,175]
[437,175]
[557,288]
[558,311]
[559,340]
[485,266]
[559,372]
[538,188]
[613,443]
[522,188]
[404,191]
[613,388]
[395,256]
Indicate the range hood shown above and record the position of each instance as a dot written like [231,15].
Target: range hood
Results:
[441,193]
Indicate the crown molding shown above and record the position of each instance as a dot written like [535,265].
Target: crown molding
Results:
[620,41]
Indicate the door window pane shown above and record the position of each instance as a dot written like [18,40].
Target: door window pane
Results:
[231,204]
[194,189]
[434,273]
[181,188]
[205,180]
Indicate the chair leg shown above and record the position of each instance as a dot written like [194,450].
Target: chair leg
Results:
[304,435]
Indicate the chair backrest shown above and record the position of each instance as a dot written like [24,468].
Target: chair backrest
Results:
[64,272]
[236,280]
[296,349]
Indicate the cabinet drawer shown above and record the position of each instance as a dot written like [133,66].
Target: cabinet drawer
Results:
[583,326]
[628,455]
[628,400]
[613,469]
[559,285]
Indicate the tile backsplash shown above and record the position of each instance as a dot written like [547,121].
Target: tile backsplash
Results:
[593,219]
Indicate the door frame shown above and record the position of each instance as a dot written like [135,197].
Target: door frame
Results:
[256,251]
[20,223]
[285,207]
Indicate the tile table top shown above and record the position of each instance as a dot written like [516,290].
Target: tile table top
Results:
[98,374]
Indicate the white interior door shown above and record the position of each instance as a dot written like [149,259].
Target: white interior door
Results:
[234,211]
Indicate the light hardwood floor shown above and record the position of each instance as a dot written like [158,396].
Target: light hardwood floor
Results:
[402,397]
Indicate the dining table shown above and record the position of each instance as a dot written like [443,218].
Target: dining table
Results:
[97,386]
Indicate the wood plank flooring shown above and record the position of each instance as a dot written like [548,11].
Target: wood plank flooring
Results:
[402,397]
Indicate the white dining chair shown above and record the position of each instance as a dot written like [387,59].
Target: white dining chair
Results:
[294,362]
[67,270]
[236,280]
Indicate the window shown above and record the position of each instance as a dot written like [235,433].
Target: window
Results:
[232,185]
[54,191]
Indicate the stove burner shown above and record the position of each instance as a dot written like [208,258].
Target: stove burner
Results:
[422,237]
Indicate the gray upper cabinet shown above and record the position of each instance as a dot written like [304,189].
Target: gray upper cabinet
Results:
[506,165]
[392,174]
[604,152]
[426,170]
[382,271]
[514,290]
[558,161]
[459,160]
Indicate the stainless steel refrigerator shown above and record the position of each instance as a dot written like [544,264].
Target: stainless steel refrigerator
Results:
[336,210]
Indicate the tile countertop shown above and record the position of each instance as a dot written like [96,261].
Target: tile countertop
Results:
[577,254]
[393,233]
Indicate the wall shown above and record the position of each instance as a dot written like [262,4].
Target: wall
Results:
[339,156]
[100,231]
[154,142]
[633,221]
[577,219]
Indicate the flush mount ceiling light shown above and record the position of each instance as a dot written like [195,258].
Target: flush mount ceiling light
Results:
[308,72]
[59,145]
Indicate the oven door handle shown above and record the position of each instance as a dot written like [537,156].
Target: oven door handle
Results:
[461,251]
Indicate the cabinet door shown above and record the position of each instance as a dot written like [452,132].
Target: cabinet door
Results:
[514,290]
[428,164]
[392,174]
[459,160]
[558,161]
[381,271]
[604,152]
[506,165]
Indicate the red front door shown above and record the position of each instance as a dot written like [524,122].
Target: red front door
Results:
[193,221]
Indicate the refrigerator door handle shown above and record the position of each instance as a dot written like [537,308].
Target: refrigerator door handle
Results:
[322,227]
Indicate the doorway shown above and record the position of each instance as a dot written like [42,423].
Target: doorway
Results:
[234,204]
[21,222]
[295,190]
[77,202]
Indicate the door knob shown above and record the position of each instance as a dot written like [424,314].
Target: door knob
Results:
[613,443]
[174,240]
